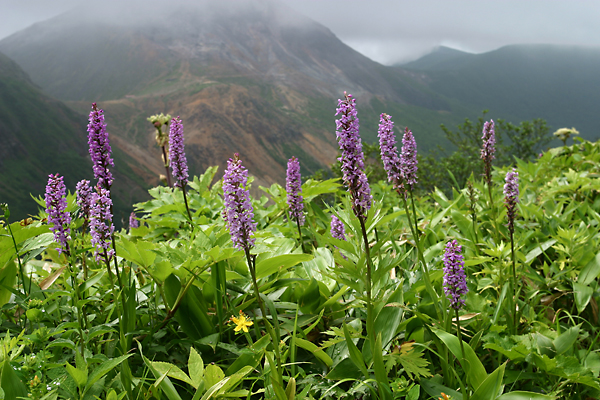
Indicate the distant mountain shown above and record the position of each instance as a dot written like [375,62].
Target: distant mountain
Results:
[557,83]
[442,58]
[42,136]
[248,77]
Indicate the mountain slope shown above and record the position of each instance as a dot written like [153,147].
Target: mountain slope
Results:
[560,84]
[248,77]
[42,136]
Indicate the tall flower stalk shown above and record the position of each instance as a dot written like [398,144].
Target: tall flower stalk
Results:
[511,198]
[102,228]
[402,173]
[338,230]
[455,286]
[84,201]
[239,218]
[99,148]
[56,206]
[60,218]
[178,160]
[293,187]
[354,177]
[488,151]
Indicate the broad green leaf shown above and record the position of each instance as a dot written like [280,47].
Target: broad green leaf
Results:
[518,395]
[79,376]
[171,370]
[212,375]
[317,352]
[566,340]
[290,390]
[195,368]
[539,249]
[473,367]
[8,278]
[10,383]
[271,265]
[103,369]
[490,387]
[590,271]
[139,252]
[583,295]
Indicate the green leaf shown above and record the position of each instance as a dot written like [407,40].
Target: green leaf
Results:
[269,266]
[212,375]
[103,369]
[355,354]
[412,360]
[539,249]
[290,390]
[8,278]
[490,387]
[566,340]
[518,395]
[590,271]
[583,295]
[139,252]
[79,376]
[380,373]
[195,368]
[171,371]
[226,384]
[317,352]
[474,369]
[10,383]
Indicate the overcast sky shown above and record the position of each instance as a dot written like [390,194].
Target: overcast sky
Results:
[391,31]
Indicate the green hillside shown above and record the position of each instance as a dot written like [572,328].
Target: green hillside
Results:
[557,83]
[42,136]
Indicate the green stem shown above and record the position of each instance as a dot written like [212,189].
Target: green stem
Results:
[18,258]
[300,235]
[186,204]
[424,271]
[514,282]
[370,314]
[166,161]
[462,349]
[274,339]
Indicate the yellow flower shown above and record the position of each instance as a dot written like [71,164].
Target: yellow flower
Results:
[243,322]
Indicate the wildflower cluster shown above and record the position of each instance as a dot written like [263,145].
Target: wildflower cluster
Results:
[293,186]
[337,228]
[511,197]
[238,212]
[488,149]
[99,147]
[455,280]
[177,159]
[408,159]
[56,205]
[101,226]
[389,152]
[352,159]
[84,198]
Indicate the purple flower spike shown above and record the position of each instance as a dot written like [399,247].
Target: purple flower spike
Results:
[99,147]
[511,197]
[238,212]
[56,205]
[133,221]
[389,151]
[337,228]
[84,198]
[408,159]
[177,159]
[488,148]
[293,186]
[352,158]
[455,280]
[101,226]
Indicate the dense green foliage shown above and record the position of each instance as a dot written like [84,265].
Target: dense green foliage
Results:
[164,329]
